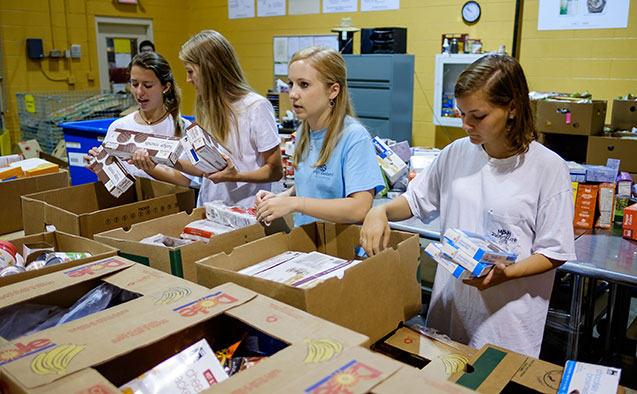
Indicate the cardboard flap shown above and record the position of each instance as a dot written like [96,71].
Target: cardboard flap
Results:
[409,381]
[281,321]
[493,368]
[22,291]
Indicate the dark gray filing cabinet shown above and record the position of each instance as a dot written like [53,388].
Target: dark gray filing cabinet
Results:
[382,91]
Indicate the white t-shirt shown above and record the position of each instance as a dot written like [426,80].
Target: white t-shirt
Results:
[165,127]
[526,203]
[258,133]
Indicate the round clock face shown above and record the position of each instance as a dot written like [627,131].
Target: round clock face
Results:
[471,11]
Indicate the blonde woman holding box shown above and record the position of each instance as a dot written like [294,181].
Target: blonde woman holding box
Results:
[501,182]
[241,120]
[336,172]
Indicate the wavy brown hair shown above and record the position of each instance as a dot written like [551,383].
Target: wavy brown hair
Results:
[172,98]
[221,80]
[331,69]
[502,80]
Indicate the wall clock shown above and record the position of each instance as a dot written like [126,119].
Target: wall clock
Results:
[471,11]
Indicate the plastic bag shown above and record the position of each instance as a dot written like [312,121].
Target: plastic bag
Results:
[18,320]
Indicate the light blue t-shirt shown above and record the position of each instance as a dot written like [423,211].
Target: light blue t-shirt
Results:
[351,168]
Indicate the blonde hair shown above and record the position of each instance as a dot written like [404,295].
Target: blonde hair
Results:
[331,70]
[221,82]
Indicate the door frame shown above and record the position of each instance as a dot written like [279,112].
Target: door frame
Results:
[108,26]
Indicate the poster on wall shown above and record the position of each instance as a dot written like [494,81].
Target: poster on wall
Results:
[240,9]
[331,6]
[270,8]
[582,14]
[379,5]
[304,7]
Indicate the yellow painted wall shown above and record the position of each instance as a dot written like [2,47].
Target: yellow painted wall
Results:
[73,22]
[601,60]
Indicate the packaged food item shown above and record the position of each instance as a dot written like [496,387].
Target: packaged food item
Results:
[203,229]
[192,370]
[479,247]
[235,217]
[202,149]
[161,149]
[465,260]
[165,240]
[11,269]
[8,253]
[434,250]
[111,172]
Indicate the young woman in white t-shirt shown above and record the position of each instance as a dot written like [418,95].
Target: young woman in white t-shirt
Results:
[497,181]
[159,98]
[240,119]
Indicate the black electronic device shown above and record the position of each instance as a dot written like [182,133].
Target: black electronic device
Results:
[34,48]
[384,40]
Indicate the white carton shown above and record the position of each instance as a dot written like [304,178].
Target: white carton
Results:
[111,172]
[204,148]
[579,377]
[203,230]
[479,247]
[235,217]
[434,250]
[194,158]
[465,260]
[393,166]
[161,149]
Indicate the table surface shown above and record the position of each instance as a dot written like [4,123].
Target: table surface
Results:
[601,253]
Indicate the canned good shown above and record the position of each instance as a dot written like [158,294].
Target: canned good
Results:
[10,270]
[8,253]
[36,265]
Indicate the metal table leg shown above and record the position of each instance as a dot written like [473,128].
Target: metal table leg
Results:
[572,347]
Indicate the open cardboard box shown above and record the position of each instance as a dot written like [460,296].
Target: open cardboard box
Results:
[435,359]
[180,260]
[372,297]
[61,242]
[117,346]
[566,117]
[11,191]
[411,381]
[89,209]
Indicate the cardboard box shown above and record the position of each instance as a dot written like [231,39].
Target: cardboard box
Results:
[11,191]
[434,359]
[120,345]
[565,117]
[180,261]
[495,369]
[89,209]
[624,115]
[410,381]
[354,301]
[62,242]
[599,149]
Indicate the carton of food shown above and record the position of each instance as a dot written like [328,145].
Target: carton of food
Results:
[162,149]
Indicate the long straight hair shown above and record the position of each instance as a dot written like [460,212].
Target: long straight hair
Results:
[331,69]
[502,80]
[221,82]
[172,98]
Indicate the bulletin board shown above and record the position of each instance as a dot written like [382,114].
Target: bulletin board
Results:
[285,46]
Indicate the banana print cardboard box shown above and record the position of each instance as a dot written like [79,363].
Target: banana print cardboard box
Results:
[111,349]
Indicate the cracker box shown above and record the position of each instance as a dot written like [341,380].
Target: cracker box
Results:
[161,149]
[111,172]
[392,165]
[203,150]
[352,301]
[61,242]
[479,247]
[606,205]
[89,209]
[180,260]
[585,205]
[629,226]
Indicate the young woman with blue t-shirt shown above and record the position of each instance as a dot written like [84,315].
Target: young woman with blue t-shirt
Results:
[336,172]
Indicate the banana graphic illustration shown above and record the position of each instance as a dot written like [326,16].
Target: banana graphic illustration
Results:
[56,360]
[321,349]
[454,362]
[172,294]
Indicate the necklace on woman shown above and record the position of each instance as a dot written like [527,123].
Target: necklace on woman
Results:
[150,122]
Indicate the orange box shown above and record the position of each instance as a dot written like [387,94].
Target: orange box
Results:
[630,222]
[45,168]
[10,173]
[585,206]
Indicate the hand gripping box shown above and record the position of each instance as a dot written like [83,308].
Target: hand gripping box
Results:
[111,172]
[61,242]
[353,301]
[117,347]
[202,149]
[89,209]
[161,149]
[180,260]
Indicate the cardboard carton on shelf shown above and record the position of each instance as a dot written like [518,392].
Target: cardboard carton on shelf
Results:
[623,115]
[566,117]
[12,190]
[180,260]
[600,148]
[61,242]
[114,346]
[89,209]
[352,301]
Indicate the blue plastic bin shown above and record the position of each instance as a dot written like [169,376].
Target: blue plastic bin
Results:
[79,138]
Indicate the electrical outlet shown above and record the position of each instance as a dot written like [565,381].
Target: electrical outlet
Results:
[71,80]
[67,53]
[55,53]
[90,76]
[76,51]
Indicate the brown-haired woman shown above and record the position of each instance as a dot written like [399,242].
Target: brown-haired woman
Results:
[500,182]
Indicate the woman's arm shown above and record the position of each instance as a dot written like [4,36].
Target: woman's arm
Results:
[271,171]
[375,232]
[533,265]
[142,160]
